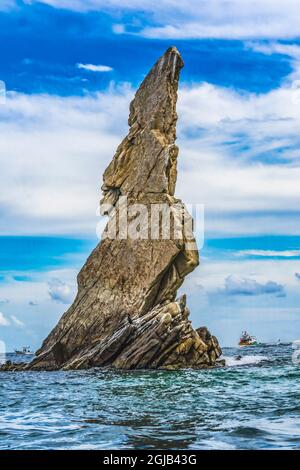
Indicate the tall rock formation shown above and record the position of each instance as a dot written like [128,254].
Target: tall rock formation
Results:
[125,314]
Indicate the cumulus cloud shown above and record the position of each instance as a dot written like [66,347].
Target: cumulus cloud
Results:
[68,141]
[95,68]
[3,320]
[235,285]
[246,144]
[59,291]
[225,19]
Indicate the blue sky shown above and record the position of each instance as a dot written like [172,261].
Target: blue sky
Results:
[71,68]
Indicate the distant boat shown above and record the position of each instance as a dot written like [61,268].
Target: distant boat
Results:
[247,340]
[25,351]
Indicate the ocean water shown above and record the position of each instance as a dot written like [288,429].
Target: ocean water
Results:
[252,403]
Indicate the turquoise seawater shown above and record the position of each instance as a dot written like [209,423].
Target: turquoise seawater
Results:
[253,403]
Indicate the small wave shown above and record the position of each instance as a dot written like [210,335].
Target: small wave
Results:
[276,344]
[244,360]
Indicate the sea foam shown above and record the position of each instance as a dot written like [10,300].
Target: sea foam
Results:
[232,361]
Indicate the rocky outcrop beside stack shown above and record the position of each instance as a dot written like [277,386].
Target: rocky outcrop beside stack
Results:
[125,314]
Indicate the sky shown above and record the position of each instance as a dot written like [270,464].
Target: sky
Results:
[70,69]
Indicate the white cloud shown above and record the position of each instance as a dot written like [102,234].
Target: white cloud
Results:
[16,321]
[39,320]
[230,19]
[225,140]
[290,50]
[95,68]
[269,48]
[226,19]
[235,285]
[269,253]
[60,291]
[212,273]
[3,320]
[53,152]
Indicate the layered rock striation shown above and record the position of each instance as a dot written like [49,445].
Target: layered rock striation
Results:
[126,314]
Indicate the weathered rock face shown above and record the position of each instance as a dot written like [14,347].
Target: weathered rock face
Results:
[125,314]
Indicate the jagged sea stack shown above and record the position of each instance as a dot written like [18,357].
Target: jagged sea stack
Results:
[125,314]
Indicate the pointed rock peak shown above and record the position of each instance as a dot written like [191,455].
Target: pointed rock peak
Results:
[169,64]
[145,162]
[157,95]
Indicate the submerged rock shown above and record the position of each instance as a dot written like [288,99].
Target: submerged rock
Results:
[13,366]
[125,314]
